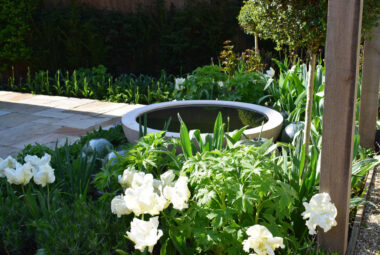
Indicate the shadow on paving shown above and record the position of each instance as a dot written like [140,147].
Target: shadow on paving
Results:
[23,123]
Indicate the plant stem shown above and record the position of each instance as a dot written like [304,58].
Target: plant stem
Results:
[257,51]
[309,103]
[48,197]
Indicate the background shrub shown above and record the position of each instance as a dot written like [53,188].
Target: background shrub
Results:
[73,36]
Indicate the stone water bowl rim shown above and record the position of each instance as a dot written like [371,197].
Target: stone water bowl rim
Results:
[275,119]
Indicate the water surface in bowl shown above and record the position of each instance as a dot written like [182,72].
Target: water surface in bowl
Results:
[203,118]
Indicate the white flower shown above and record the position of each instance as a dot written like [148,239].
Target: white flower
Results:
[21,175]
[167,178]
[126,179]
[145,233]
[44,175]
[178,83]
[292,70]
[119,206]
[142,179]
[143,199]
[320,212]
[42,171]
[262,241]
[36,162]
[179,194]
[270,73]
[9,162]
[220,84]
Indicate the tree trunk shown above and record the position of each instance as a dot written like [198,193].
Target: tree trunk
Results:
[309,103]
[257,51]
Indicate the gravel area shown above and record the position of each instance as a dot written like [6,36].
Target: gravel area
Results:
[369,236]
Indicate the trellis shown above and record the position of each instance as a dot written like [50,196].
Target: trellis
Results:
[342,61]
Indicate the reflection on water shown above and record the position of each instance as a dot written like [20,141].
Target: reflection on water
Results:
[203,118]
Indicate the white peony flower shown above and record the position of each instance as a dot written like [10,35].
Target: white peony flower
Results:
[126,179]
[270,73]
[44,175]
[178,83]
[262,241]
[320,212]
[119,206]
[167,178]
[9,162]
[21,175]
[179,194]
[145,233]
[143,199]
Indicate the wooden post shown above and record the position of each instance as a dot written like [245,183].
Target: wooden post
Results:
[370,90]
[342,58]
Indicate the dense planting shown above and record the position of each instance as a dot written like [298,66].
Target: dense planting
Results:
[218,200]
[96,83]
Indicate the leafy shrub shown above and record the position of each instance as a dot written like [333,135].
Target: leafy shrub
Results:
[202,84]
[209,82]
[246,87]
[15,17]
[146,41]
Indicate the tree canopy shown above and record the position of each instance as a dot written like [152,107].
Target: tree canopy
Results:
[296,23]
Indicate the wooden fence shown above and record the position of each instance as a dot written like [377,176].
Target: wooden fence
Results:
[120,5]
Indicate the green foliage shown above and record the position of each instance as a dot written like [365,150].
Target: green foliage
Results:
[288,93]
[61,218]
[209,82]
[297,23]
[194,141]
[15,235]
[80,228]
[15,20]
[232,63]
[98,84]
[371,17]
[73,35]
[234,189]
[152,154]
[202,84]
[246,87]
[294,23]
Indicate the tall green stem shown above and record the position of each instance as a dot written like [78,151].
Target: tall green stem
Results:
[48,197]
[309,103]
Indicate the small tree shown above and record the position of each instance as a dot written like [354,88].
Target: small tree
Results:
[298,24]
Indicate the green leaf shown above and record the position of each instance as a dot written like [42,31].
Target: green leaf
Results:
[185,141]
[121,252]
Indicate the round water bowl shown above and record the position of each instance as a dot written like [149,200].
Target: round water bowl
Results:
[201,114]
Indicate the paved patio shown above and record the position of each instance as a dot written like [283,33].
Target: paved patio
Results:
[29,119]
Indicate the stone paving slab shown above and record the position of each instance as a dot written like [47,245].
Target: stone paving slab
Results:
[29,119]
